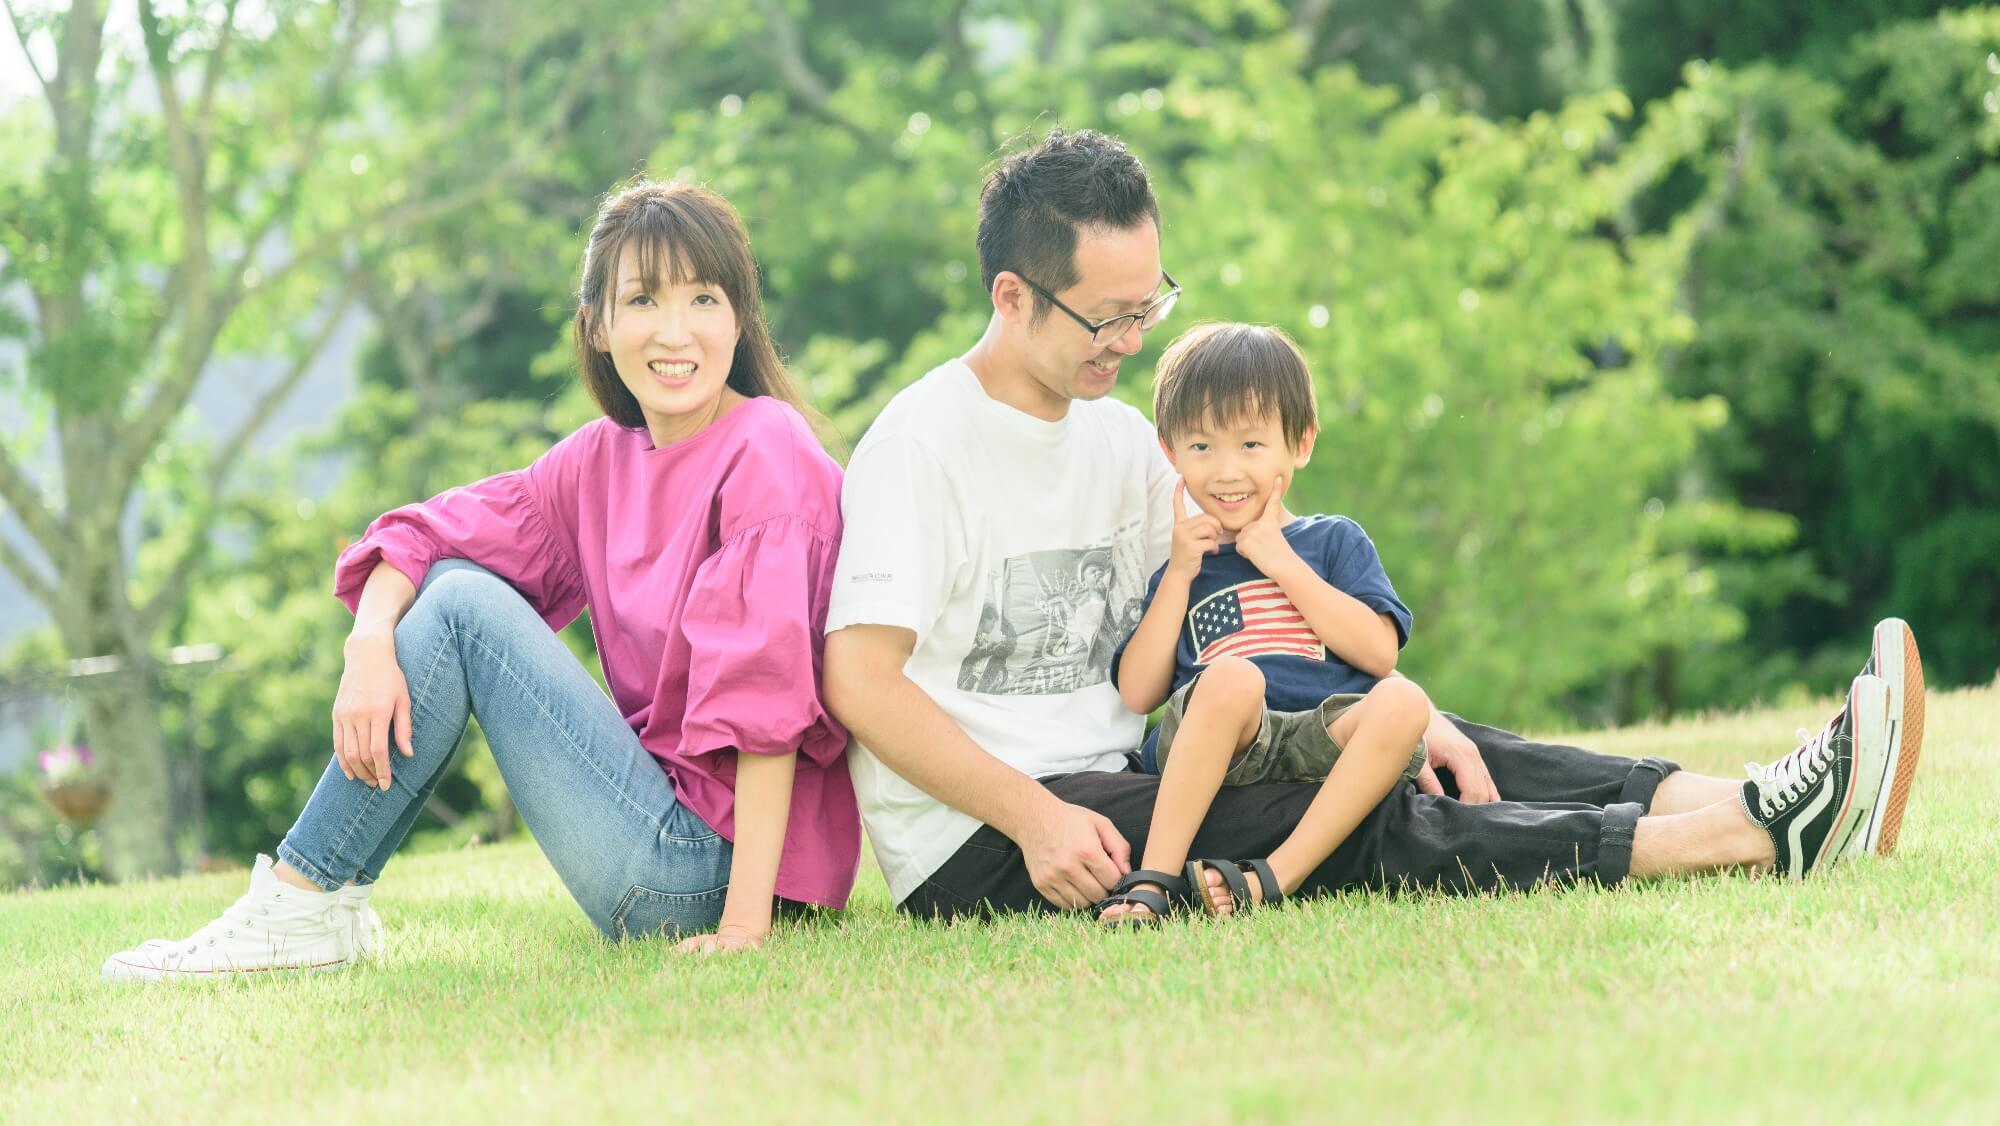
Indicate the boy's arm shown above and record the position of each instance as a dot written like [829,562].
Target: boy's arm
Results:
[1352,630]
[1146,669]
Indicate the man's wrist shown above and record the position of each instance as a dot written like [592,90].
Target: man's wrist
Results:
[1023,815]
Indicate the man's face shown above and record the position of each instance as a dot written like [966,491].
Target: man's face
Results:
[1118,271]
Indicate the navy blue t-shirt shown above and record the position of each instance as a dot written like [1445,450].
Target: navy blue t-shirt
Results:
[1233,610]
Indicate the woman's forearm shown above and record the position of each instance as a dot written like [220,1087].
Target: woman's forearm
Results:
[385,598]
[763,806]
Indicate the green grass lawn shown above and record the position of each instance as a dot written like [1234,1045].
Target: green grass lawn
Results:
[1872,992]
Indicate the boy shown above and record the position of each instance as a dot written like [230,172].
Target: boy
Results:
[1287,624]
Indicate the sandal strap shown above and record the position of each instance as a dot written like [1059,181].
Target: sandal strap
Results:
[1174,885]
[1151,900]
[1273,894]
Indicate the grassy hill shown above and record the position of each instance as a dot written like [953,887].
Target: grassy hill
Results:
[1871,993]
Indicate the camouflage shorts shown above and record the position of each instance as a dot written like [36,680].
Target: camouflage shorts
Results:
[1289,747]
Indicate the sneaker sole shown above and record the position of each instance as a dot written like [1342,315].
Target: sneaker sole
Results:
[1897,663]
[1868,709]
[128,973]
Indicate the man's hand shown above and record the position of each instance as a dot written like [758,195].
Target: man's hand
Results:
[1263,540]
[1452,751]
[1073,854]
[1194,536]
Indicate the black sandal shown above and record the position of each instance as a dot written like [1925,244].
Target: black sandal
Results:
[1239,888]
[1127,890]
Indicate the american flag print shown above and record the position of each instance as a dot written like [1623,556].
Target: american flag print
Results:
[1251,619]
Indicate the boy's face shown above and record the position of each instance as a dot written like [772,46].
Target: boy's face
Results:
[1232,468]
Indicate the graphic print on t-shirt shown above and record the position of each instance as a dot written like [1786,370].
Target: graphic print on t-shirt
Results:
[1051,619]
[1250,619]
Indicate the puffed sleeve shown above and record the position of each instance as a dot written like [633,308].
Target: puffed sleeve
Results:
[753,625]
[496,523]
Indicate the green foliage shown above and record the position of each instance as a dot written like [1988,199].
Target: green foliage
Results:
[1845,291]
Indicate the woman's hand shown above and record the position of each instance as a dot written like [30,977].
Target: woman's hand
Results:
[371,708]
[727,939]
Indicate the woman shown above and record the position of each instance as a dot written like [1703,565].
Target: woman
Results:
[698,521]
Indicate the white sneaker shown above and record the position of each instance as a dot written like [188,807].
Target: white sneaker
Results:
[273,927]
[367,924]
[1894,658]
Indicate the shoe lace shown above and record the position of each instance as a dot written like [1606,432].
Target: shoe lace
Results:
[1783,782]
[253,912]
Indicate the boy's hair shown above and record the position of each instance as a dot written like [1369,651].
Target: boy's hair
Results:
[1223,372]
[1032,205]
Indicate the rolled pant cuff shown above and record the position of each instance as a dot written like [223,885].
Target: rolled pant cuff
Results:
[307,868]
[1614,845]
[1644,781]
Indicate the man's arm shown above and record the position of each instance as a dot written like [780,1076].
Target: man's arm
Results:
[1453,750]
[1073,854]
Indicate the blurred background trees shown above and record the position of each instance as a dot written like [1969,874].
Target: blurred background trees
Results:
[1656,343]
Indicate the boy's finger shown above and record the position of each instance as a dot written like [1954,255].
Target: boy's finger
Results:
[1277,501]
[1180,497]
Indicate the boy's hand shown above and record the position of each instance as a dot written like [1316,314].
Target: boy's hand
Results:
[1263,541]
[1194,536]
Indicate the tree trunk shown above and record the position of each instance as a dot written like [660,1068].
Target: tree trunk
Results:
[122,715]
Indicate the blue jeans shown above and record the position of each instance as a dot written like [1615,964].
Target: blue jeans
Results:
[600,806]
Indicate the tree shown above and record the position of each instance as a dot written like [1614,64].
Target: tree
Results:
[1845,289]
[205,187]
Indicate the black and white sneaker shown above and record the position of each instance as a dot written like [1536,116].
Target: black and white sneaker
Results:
[1815,799]
[1894,658]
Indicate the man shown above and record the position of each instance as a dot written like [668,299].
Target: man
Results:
[1001,517]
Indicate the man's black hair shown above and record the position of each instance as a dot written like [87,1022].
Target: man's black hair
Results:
[1033,205]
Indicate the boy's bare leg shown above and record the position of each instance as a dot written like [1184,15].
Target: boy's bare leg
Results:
[1376,737]
[1222,717]
[1682,792]
[1717,837]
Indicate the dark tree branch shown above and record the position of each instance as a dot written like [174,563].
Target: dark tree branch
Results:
[211,77]
[39,587]
[172,587]
[210,309]
[21,37]
[41,522]
[788,55]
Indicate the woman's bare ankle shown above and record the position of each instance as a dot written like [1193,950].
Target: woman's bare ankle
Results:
[291,876]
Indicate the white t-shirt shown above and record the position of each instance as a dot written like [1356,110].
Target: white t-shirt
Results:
[1018,552]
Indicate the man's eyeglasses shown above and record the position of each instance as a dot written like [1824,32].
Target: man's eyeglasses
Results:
[1105,331]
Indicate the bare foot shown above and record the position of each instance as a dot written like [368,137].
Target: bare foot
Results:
[1220,903]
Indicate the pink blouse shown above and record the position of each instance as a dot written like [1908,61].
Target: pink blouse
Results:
[706,566]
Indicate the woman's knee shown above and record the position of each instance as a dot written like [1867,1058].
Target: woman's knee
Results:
[453,591]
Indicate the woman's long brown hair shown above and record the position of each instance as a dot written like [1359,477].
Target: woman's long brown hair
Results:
[683,233]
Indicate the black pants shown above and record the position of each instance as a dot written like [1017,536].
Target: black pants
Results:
[1569,815]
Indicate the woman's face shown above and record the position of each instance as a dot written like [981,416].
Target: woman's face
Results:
[671,344]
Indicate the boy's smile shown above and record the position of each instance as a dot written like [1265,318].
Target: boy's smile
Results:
[1232,468]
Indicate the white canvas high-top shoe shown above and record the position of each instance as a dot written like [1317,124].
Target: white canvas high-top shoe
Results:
[273,927]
